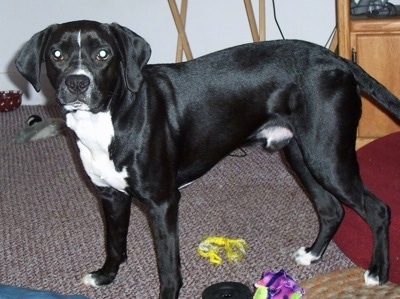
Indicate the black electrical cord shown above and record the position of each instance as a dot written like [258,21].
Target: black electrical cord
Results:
[330,37]
[235,153]
[276,20]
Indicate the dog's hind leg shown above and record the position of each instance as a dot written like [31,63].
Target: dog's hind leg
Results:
[328,208]
[325,117]
[117,209]
[377,215]
[336,170]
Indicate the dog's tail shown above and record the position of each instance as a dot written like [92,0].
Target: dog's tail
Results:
[376,90]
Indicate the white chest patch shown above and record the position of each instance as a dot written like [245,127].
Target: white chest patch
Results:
[95,132]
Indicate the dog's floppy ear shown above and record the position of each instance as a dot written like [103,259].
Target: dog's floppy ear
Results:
[135,53]
[31,57]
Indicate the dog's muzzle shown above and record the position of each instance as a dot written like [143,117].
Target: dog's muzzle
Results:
[75,95]
[77,84]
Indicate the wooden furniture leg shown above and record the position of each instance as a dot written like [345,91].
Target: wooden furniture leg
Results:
[258,34]
[183,46]
[179,22]
[179,46]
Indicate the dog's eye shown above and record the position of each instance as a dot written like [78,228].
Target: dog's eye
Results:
[102,55]
[58,55]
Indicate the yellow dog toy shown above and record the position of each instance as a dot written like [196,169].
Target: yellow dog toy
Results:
[212,247]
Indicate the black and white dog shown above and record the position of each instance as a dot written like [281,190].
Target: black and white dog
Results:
[144,131]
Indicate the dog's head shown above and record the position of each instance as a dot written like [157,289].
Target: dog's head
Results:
[86,62]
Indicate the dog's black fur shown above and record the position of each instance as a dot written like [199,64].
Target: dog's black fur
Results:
[172,122]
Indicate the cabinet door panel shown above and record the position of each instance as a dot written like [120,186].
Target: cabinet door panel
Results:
[378,55]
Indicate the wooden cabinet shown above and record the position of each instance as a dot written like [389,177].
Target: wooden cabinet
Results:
[374,43]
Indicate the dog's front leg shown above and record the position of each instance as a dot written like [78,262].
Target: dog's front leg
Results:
[117,209]
[164,223]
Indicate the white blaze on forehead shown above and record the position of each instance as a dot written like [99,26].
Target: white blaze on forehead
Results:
[79,38]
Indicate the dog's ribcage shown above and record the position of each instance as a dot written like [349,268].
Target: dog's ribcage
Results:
[95,132]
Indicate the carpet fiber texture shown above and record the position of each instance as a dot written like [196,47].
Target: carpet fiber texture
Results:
[51,230]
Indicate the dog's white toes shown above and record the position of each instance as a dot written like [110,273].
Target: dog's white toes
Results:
[370,280]
[302,257]
[89,280]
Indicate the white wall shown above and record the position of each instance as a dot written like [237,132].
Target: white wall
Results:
[211,25]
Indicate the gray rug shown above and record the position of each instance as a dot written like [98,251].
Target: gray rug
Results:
[51,230]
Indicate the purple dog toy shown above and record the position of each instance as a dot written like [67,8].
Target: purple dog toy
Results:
[277,285]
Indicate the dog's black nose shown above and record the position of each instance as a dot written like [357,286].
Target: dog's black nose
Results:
[77,83]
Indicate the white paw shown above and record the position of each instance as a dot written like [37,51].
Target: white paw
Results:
[304,258]
[370,280]
[89,280]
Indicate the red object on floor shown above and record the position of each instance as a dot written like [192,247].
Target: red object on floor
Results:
[380,170]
